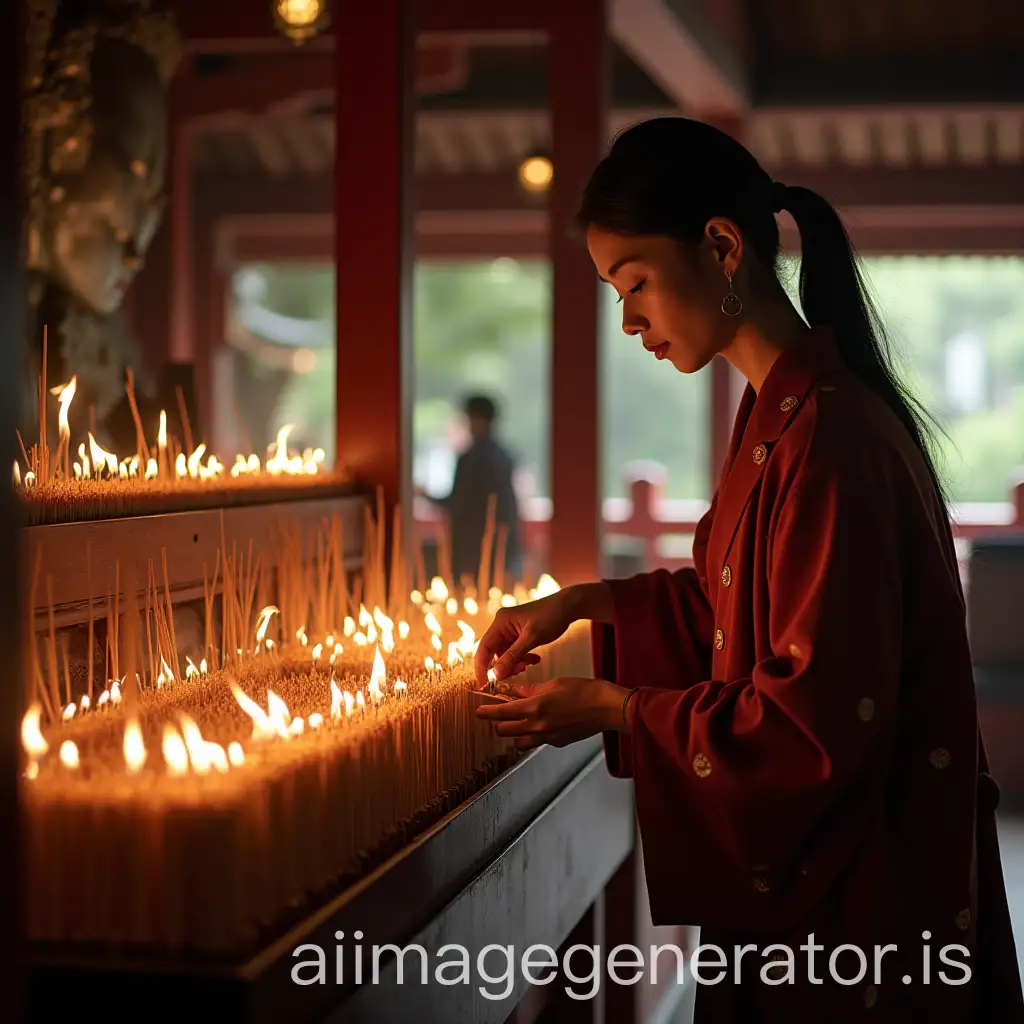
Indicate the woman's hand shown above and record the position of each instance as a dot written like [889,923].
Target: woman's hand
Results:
[516,631]
[558,712]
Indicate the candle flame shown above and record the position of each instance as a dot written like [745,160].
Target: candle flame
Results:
[134,748]
[218,758]
[378,675]
[403,630]
[65,393]
[175,751]
[264,621]
[236,755]
[198,755]
[161,436]
[100,457]
[31,735]
[471,607]
[438,589]
[69,754]
[69,712]
[277,711]
[262,726]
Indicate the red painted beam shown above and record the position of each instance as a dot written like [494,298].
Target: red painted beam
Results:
[258,85]
[282,83]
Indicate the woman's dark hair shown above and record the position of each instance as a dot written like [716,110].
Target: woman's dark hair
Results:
[669,176]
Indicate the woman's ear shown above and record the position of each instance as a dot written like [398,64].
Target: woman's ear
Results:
[726,243]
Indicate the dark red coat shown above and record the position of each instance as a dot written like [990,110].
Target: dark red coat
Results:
[805,743]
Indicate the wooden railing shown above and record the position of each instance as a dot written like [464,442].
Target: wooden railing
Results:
[658,531]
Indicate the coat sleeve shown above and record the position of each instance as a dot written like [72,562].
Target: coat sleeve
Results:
[661,634]
[740,782]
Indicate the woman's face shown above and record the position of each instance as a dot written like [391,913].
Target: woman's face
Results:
[671,299]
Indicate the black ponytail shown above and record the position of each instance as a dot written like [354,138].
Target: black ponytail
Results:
[834,294]
[671,175]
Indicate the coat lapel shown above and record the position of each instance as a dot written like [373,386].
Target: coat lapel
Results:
[760,422]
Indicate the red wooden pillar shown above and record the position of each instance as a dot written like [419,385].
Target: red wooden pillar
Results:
[578,83]
[375,60]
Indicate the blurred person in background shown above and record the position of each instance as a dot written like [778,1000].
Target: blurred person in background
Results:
[486,467]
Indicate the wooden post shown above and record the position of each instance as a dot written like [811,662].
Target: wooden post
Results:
[373,210]
[578,82]
[12,376]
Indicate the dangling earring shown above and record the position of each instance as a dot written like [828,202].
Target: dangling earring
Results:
[731,305]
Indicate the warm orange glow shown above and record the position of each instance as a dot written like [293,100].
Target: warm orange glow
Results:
[134,748]
[31,735]
[65,393]
[536,174]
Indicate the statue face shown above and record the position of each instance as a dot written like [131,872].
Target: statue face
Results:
[103,229]
[103,214]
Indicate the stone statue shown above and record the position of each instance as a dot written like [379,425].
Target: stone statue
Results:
[97,152]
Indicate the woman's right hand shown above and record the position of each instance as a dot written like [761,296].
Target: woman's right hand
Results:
[516,631]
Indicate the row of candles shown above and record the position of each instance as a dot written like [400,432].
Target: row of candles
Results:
[185,749]
[96,463]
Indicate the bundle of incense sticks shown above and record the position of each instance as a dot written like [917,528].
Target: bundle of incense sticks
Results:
[192,809]
[76,501]
[81,481]
[201,821]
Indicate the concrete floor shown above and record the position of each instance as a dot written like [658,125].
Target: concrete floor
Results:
[1011,831]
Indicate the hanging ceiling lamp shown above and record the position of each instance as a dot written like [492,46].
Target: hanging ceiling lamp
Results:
[300,20]
[536,173]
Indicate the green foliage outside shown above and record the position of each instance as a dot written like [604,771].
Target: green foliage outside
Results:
[485,326]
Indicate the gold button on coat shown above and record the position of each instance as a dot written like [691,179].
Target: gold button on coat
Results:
[870,996]
[702,766]
[760,453]
[719,639]
[940,758]
[866,709]
[726,576]
[963,920]
[789,402]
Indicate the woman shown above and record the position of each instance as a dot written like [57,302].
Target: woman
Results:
[797,711]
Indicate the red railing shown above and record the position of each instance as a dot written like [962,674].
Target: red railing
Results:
[661,529]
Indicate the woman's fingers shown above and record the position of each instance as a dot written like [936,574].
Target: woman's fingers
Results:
[524,709]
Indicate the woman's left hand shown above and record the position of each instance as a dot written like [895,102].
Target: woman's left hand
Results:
[558,712]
